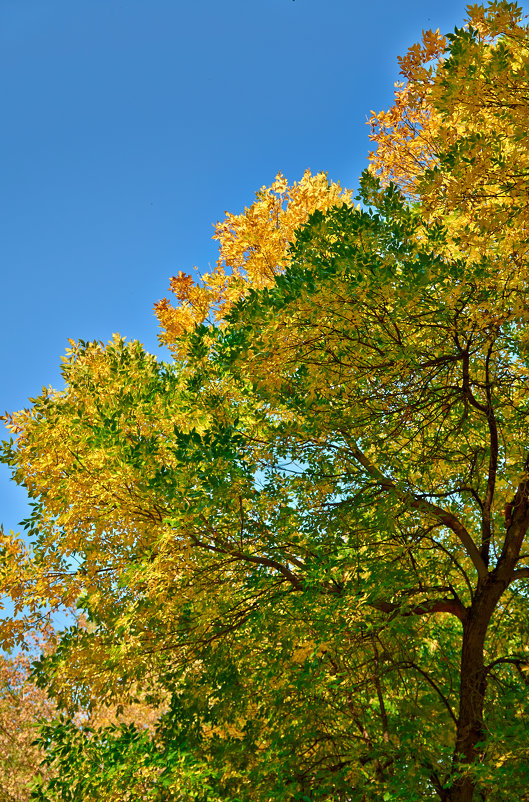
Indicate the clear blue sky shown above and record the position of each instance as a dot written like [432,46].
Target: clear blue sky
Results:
[130,126]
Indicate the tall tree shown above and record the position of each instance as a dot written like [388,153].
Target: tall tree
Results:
[307,532]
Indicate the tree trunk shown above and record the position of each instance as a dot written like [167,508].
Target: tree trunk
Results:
[471,700]
[473,684]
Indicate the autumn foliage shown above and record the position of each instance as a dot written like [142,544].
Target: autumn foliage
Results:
[254,249]
[298,549]
[22,706]
[456,136]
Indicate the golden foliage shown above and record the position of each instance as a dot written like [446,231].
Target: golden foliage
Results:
[405,135]
[266,517]
[254,249]
[456,136]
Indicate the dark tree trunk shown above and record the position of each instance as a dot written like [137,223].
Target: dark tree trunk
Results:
[471,701]
[473,683]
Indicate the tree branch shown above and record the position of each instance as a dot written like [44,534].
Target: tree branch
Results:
[226,548]
[411,664]
[452,606]
[516,531]
[521,573]
[486,527]
[415,502]
[517,661]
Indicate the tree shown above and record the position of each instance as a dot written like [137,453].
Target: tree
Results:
[308,530]
[25,709]
[22,705]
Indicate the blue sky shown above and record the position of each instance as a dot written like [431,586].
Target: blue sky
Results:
[130,126]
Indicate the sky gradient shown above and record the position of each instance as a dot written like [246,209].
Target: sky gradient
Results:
[129,127]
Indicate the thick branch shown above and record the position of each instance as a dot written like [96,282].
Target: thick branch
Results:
[493,466]
[516,531]
[521,573]
[452,606]
[467,391]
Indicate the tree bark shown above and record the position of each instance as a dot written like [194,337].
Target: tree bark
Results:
[473,684]
[471,700]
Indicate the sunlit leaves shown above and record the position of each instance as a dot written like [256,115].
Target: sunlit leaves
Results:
[254,249]
[301,543]
[457,134]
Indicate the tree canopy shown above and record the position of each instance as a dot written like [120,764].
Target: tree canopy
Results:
[304,539]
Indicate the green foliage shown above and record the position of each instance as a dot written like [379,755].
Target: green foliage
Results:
[299,592]
[302,541]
